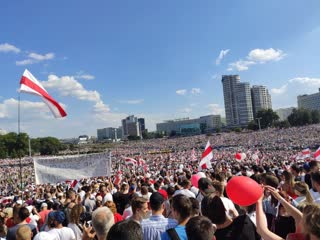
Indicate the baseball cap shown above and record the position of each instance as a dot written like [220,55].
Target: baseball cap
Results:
[163,193]
[59,216]
[44,205]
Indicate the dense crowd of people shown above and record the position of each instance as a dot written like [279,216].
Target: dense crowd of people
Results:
[158,198]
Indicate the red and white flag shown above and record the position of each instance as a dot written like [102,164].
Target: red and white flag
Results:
[141,161]
[29,84]
[306,153]
[129,161]
[316,155]
[240,156]
[193,155]
[206,157]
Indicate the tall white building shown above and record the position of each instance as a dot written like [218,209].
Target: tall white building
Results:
[237,101]
[310,102]
[261,99]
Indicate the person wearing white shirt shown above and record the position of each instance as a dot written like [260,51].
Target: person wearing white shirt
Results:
[186,184]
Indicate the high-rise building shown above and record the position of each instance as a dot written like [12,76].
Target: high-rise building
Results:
[237,101]
[310,102]
[261,99]
[109,133]
[142,124]
[130,127]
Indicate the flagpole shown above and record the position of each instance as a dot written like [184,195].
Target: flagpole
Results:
[19,150]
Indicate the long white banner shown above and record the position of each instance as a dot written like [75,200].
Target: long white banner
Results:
[59,169]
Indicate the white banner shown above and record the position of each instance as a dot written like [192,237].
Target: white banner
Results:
[59,169]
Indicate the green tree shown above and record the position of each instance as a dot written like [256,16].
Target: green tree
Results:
[282,124]
[49,146]
[300,117]
[253,125]
[133,138]
[267,117]
[315,116]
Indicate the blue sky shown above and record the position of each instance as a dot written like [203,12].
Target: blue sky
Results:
[104,60]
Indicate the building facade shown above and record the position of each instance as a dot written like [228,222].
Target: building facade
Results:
[106,134]
[190,126]
[284,113]
[237,101]
[130,127]
[261,99]
[142,125]
[309,101]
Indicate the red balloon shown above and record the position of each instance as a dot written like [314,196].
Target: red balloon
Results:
[194,180]
[243,191]
[238,156]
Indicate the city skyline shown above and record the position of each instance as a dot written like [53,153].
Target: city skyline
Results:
[156,60]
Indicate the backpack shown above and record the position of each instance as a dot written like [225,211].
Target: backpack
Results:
[173,234]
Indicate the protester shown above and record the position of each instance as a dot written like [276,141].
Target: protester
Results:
[182,211]
[157,224]
[59,231]
[200,228]
[125,230]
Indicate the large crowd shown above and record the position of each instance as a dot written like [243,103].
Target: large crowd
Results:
[157,198]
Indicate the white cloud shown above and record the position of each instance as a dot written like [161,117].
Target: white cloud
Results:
[195,91]
[35,58]
[222,54]
[6,47]
[216,109]
[181,92]
[25,62]
[280,90]
[240,65]
[257,56]
[306,80]
[287,94]
[133,101]
[69,86]
[86,77]
[40,57]
[9,107]
[265,55]
[186,110]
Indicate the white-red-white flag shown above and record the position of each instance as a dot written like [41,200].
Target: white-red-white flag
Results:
[306,153]
[206,157]
[141,161]
[128,161]
[193,155]
[29,84]
[316,155]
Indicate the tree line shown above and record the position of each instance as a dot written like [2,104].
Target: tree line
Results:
[13,145]
[298,117]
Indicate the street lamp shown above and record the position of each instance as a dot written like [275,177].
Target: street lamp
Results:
[259,118]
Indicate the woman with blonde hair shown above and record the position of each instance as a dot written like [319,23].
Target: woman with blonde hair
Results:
[74,223]
[113,208]
[288,183]
[301,189]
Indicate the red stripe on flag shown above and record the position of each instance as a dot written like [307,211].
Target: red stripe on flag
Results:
[26,81]
[206,152]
